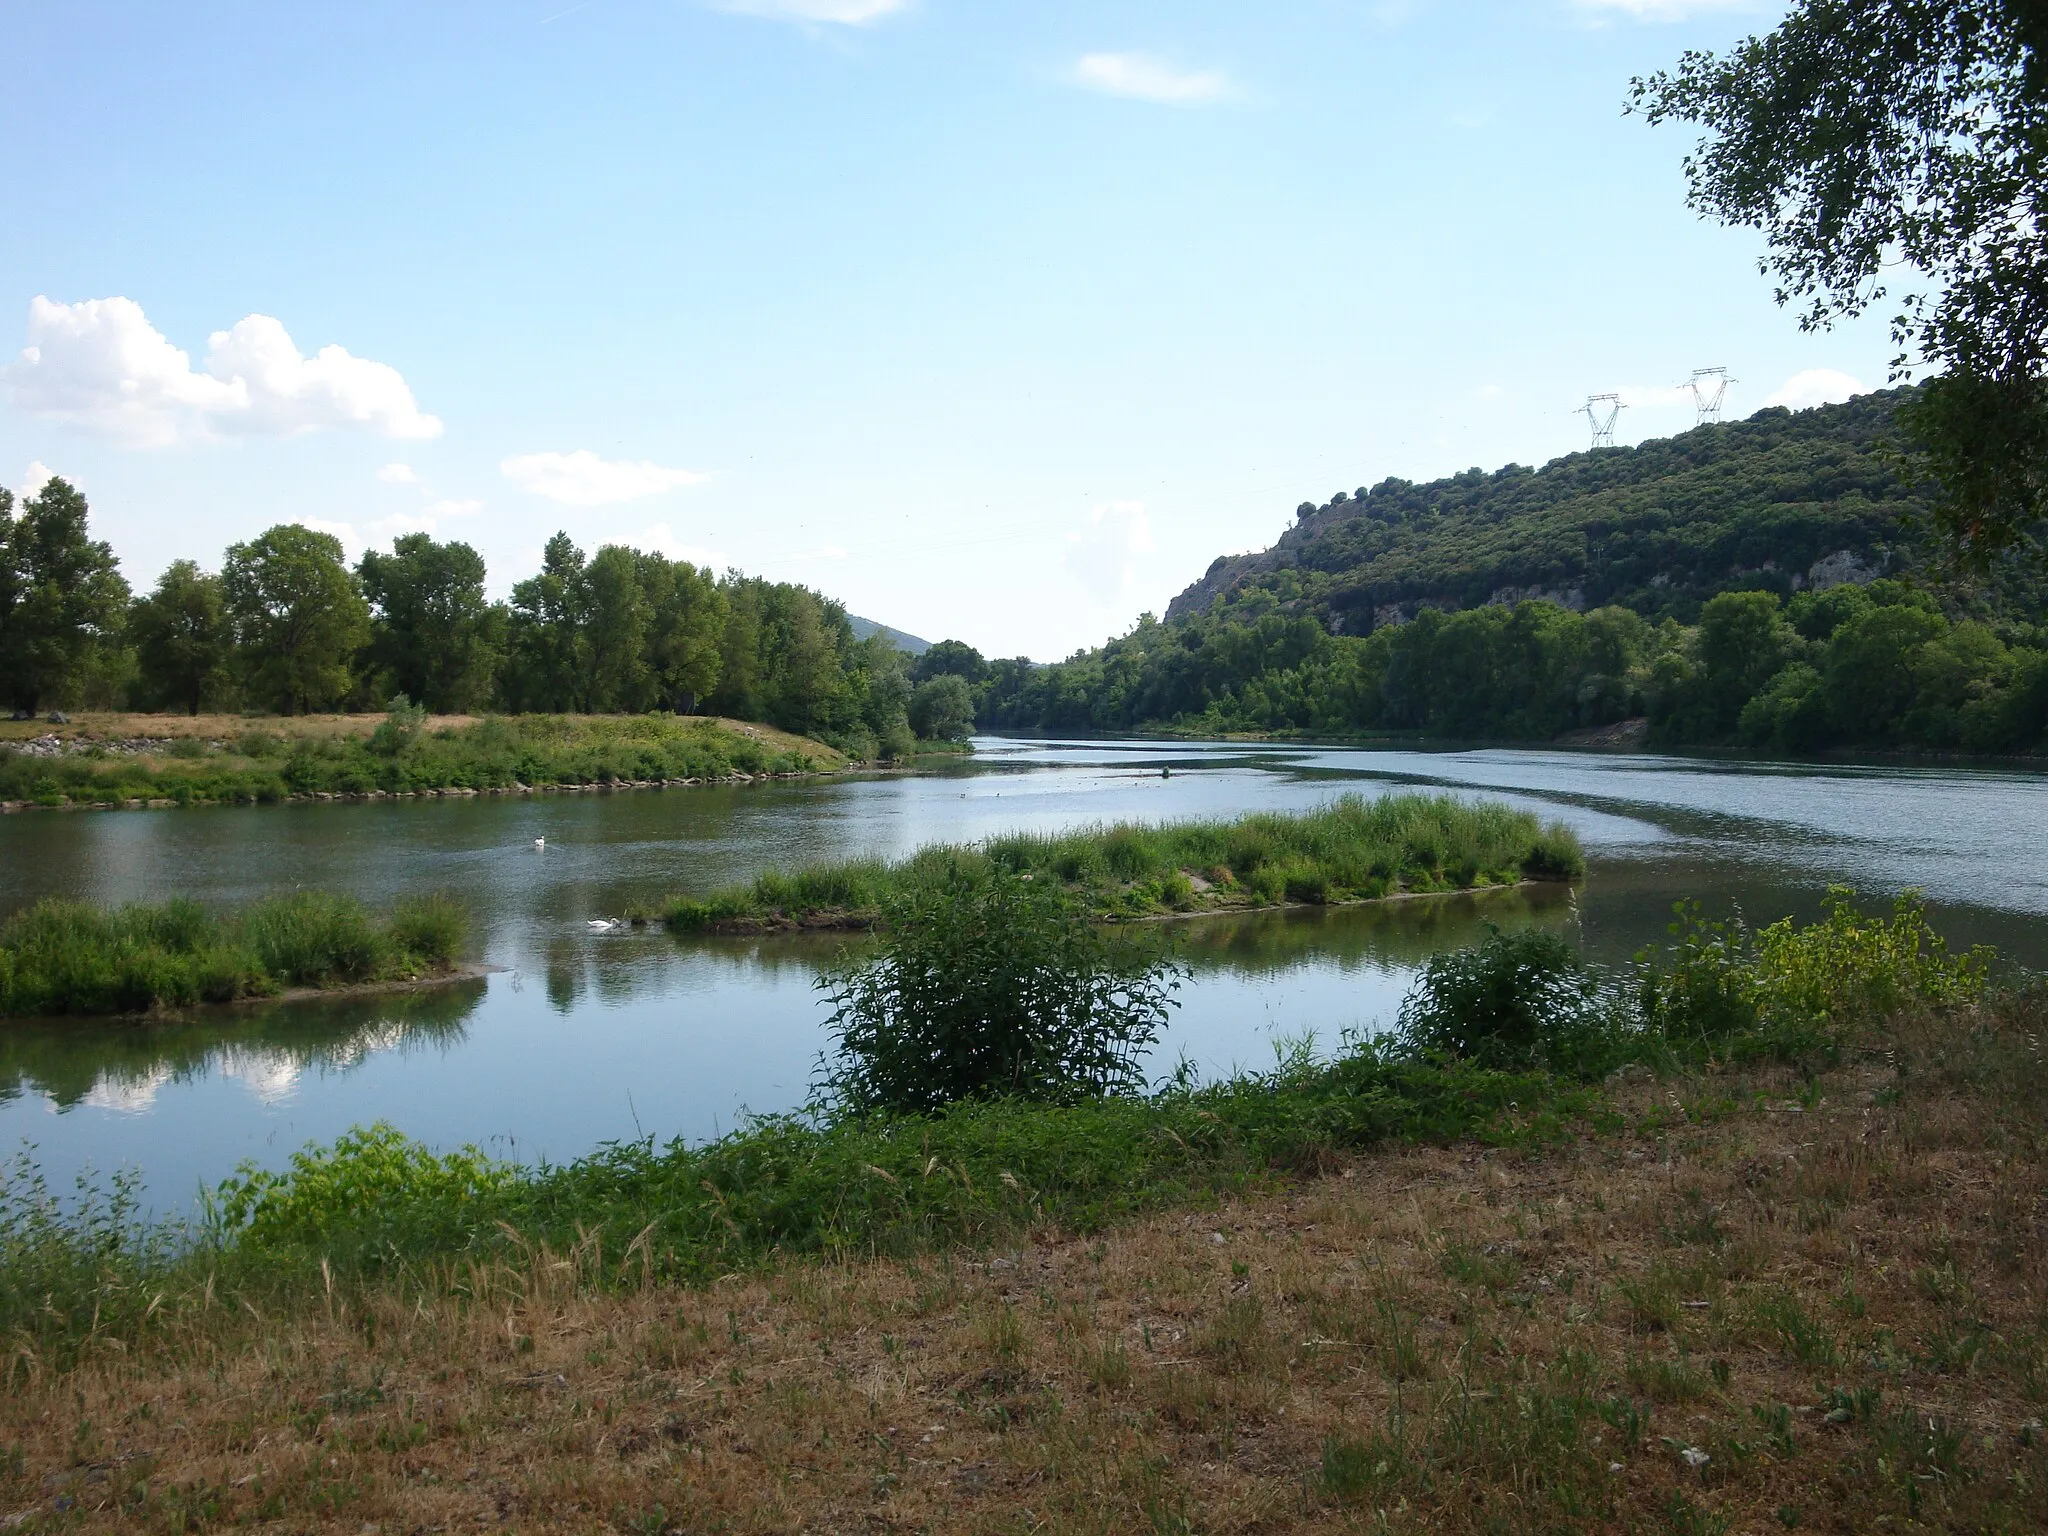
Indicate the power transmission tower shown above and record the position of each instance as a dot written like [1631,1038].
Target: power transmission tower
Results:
[1601,412]
[1709,388]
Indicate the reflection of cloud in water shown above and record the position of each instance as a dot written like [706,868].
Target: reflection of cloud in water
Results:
[270,1075]
[126,1093]
[121,1067]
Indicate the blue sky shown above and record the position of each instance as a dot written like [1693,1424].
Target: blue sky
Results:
[994,321]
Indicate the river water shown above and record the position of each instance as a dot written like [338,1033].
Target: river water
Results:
[587,1037]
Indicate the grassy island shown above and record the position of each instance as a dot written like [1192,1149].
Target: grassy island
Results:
[66,957]
[1353,849]
[116,760]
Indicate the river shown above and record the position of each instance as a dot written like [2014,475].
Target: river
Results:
[586,1037]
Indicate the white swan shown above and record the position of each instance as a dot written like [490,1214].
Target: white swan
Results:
[539,844]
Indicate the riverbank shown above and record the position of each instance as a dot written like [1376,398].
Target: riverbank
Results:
[1351,850]
[135,761]
[69,958]
[1743,1287]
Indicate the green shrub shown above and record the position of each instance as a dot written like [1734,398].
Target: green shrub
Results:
[1518,1000]
[1787,989]
[991,985]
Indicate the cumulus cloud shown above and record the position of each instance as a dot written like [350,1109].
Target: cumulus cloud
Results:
[1104,556]
[1140,77]
[468,507]
[582,479]
[100,365]
[1816,386]
[398,474]
[34,478]
[845,13]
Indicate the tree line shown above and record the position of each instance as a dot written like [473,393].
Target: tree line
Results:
[287,625]
[1879,665]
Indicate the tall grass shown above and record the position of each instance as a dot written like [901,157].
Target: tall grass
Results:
[68,957]
[1350,850]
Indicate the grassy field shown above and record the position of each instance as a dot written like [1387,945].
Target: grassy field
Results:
[64,957]
[127,759]
[1350,850]
[1730,1291]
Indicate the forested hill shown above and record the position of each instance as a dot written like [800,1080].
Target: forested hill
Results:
[1659,528]
[1759,584]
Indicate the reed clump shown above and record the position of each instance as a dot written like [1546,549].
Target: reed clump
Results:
[69,957]
[1353,849]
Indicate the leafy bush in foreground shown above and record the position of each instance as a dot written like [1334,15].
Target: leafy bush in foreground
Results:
[67,957]
[1721,987]
[992,985]
[1518,1000]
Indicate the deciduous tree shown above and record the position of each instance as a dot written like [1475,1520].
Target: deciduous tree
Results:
[298,615]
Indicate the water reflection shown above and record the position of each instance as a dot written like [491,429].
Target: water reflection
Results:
[268,1049]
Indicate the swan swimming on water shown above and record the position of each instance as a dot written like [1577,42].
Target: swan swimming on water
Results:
[539,843]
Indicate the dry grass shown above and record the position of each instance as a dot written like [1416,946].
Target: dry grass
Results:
[1834,1290]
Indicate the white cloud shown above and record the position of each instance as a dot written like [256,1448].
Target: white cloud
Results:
[582,479]
[1141,77]
[100,365]
[351,541]
[1816,386]
[34,478]
[1104,557]
[845,13]
[398,474]
[660,539]
[468,507]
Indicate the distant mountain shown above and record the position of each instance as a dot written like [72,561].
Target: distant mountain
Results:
[910,644]
[1782,501]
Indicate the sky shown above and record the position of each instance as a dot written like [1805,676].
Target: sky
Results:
[993,321]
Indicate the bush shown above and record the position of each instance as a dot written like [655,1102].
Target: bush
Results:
[991,985]
[1519,1000]
[1788,989]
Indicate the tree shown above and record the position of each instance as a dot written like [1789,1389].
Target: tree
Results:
[1862,134]
[61,593]
[431,625]
[549,662]
[298,615]
[686,625]
[942,709]
[616,619]
[953,658]
[180,633]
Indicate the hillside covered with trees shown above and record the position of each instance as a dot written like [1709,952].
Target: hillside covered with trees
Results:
[1763,584]
[287,625]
